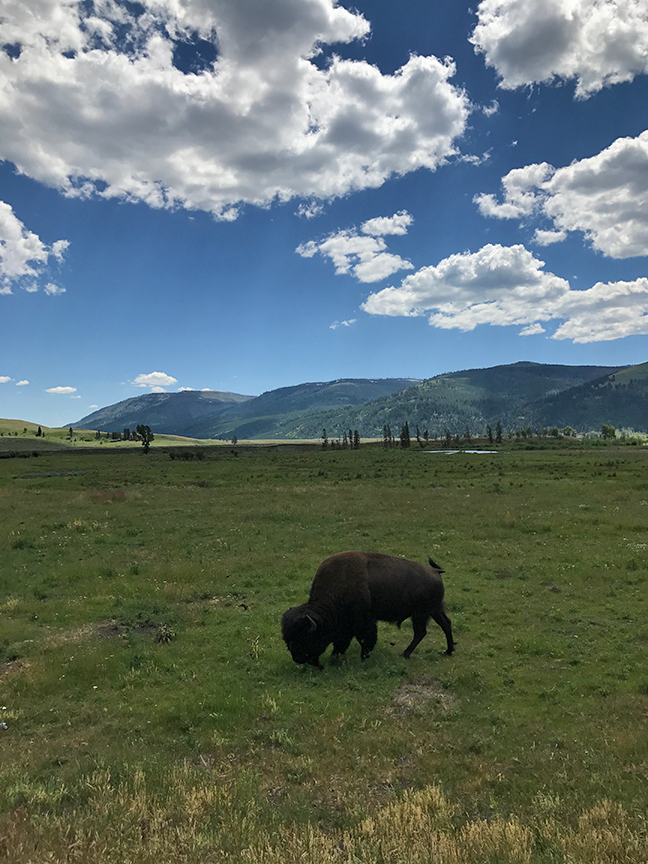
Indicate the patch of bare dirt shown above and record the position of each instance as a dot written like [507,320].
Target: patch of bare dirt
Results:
[428,695]
[10,666]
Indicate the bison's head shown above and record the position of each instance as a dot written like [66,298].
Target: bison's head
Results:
[303,632]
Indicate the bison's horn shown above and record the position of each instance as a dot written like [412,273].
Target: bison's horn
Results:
[313,624]
[436,566]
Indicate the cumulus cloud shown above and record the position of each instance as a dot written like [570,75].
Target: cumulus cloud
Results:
[496,285]
[54,290]
[155,380]
[546,238]
[22,383]
[606,311]
[4,379]
[61,391]
[605,197]
[507,285]
[23,255]
[363,255]
[594,42]
[106,107]
[381,225]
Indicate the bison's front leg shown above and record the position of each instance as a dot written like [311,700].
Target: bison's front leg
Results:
[340,645]
[367,636]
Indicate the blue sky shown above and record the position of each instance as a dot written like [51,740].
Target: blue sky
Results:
[241,195]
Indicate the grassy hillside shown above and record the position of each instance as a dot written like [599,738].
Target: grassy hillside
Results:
[149,711]
[209,414]
[517,396]
[163,412]
[620,398]
[19,436]
[469,399]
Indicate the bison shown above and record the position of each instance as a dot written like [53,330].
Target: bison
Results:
[353,590]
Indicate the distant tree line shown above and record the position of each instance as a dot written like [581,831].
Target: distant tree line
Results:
[142,433]
[349,440]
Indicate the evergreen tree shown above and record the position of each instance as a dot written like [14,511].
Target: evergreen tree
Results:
[405,435]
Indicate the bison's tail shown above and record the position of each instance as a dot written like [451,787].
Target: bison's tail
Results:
[436,566]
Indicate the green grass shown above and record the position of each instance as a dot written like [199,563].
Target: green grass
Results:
[151,706]
[21,436]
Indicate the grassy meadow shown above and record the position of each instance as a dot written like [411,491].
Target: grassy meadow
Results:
[149,711]
[19,436]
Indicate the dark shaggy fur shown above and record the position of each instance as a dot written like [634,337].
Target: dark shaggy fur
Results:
[350,591]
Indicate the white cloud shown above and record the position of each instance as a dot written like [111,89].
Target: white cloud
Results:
[606,311]
[520,197]
[155,380]
[595,42]
[546,238]
[507,285]
[532,330]
[496,285]
[61,391]
[54,290]
[104,111]
[605,197]
[22,383]
[4,379]
[23,255]
[310,210]
[381,225]
[336,324]
[365,257]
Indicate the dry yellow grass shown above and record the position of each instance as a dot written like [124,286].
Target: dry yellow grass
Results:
[197,820]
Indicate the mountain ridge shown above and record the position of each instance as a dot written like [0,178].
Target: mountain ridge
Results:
[518,395]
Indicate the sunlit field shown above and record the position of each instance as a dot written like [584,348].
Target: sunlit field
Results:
[149,711]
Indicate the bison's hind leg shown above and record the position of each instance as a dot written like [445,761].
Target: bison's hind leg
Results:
[444,623]
[419,624]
